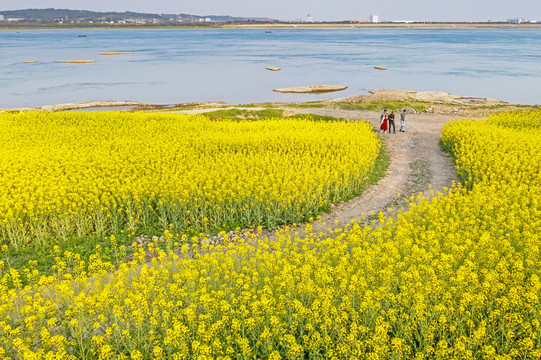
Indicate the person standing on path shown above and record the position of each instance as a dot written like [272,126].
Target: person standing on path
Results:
[403,121]
[391,122]
[383,118]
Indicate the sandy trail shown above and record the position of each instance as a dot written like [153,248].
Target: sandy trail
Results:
[417,164]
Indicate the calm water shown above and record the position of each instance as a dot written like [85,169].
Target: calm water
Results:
[177,66]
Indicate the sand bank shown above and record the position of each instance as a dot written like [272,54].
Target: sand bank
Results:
[408,95]
[312,89]
[76,61]
[115,53]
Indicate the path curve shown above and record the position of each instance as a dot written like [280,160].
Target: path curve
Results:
[417,164]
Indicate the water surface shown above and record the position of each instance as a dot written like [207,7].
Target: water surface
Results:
[178,66]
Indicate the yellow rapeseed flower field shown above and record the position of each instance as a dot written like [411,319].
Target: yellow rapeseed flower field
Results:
[80,173]
[456,277]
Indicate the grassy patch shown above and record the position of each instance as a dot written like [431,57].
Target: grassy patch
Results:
[379,105]
[273,105]
[267,105]
[315,117]
[308,105]
[381,165]
[379,171]
[243,114]
[45,254]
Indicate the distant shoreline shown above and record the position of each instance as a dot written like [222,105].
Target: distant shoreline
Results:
[277,26]
[389,26]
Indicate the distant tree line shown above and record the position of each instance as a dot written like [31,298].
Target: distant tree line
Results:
[45,16]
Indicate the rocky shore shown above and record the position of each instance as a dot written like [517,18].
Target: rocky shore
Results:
[435,101]
[408,95]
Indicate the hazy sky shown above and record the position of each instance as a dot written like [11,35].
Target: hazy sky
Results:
[322,10]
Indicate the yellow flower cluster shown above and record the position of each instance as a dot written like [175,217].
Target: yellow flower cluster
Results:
[82,173]
[456,277]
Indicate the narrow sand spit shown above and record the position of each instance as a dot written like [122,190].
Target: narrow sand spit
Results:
[76,61]
[85,105]
[116,53]
[312,89]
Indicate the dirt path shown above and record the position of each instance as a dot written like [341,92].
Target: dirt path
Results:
[417,164]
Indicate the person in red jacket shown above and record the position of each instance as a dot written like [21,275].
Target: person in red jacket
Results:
[383,120]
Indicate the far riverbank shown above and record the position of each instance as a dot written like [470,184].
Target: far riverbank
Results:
[322,26]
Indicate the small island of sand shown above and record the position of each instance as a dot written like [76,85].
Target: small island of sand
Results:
[116,53]
[75,61]
[312,89]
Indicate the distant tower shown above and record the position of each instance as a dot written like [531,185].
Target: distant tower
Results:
[374,19]
[309,18]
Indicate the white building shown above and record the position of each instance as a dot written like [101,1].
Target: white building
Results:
[1,17]
[374,19]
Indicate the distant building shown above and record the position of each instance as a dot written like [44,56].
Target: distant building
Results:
[374,19]
[516,21]
[1,17]
[309,18]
